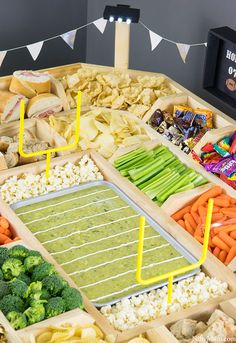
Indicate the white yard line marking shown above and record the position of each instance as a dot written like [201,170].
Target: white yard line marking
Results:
[71,210]
[77,221]
[127,288]
[117,259]
[82,231]
[105,250]
[98,240]
[63,202]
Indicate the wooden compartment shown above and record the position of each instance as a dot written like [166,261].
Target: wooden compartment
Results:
[211,267]
[39,128]
[167,104]
[228,307]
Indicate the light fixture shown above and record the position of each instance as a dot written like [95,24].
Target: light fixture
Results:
[121,13]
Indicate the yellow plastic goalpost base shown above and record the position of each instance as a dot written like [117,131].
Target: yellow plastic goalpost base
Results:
[49,151]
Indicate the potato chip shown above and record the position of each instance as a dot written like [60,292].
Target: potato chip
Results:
[115,89]
[88,128]
[138,110]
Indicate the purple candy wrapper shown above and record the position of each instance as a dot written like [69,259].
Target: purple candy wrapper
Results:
[226,166]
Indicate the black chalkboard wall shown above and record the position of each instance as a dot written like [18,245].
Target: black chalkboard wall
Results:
[28,21]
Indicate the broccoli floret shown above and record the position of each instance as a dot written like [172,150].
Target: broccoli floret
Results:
[12,268]
[18,320]
[19,251]
[11,303]
[34,290]
[24,277]
[4,255]
[54,307]
[45,295]
[4,289]
[18,288]
[43,270]
[31,262]
[35,313]
[72,298]
[54,284]
[34,253]
[1,275]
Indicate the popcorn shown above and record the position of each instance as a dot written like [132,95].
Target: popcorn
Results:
[29,185]
[129,313]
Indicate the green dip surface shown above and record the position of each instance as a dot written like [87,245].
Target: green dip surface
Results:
[93,234]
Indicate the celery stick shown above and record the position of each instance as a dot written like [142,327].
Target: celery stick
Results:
[177,184]
[150,175]
[140,172]
[168,182]
[185,188]
[159,181]
[129,155]
[159,149]
[159,175]
[132,161]
[149,168]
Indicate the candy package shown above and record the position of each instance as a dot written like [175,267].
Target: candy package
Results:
[220,159]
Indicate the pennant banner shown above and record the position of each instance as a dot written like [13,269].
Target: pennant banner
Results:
[155,39]
[183,50]
[35,49]
[2,56]
[100,24]
[69,38]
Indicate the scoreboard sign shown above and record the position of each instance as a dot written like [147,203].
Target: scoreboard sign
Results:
[220,65]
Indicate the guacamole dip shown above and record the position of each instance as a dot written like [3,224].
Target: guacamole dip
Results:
[93,234]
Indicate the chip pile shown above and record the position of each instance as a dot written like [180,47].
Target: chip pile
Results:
[117,90]
[103,130]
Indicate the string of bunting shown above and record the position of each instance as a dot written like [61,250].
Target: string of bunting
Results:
[69,37]
[183,48]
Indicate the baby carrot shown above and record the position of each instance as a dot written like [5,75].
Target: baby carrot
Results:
[227,239]
[231,255]
[221,202]
[233,201]
[4,223]
[190,219]
[226,228]
[216,209]
[2,238]
[222,256]
[233,234]
[189,227]
[7,233]
[199,238]
[212,193]
[198,231]
[220,244]
[181,223]
[202,213]
[231,215]
[179,214]
[195,216]
[228,209]
[8,240]
[216,217]
[216,251]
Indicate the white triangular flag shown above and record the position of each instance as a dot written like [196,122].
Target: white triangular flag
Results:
[205,44]
[183,50]
[69,38]
[35,49]
[2,56]
[155,39]
[100,24]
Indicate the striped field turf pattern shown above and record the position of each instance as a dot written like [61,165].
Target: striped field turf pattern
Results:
[93,234]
